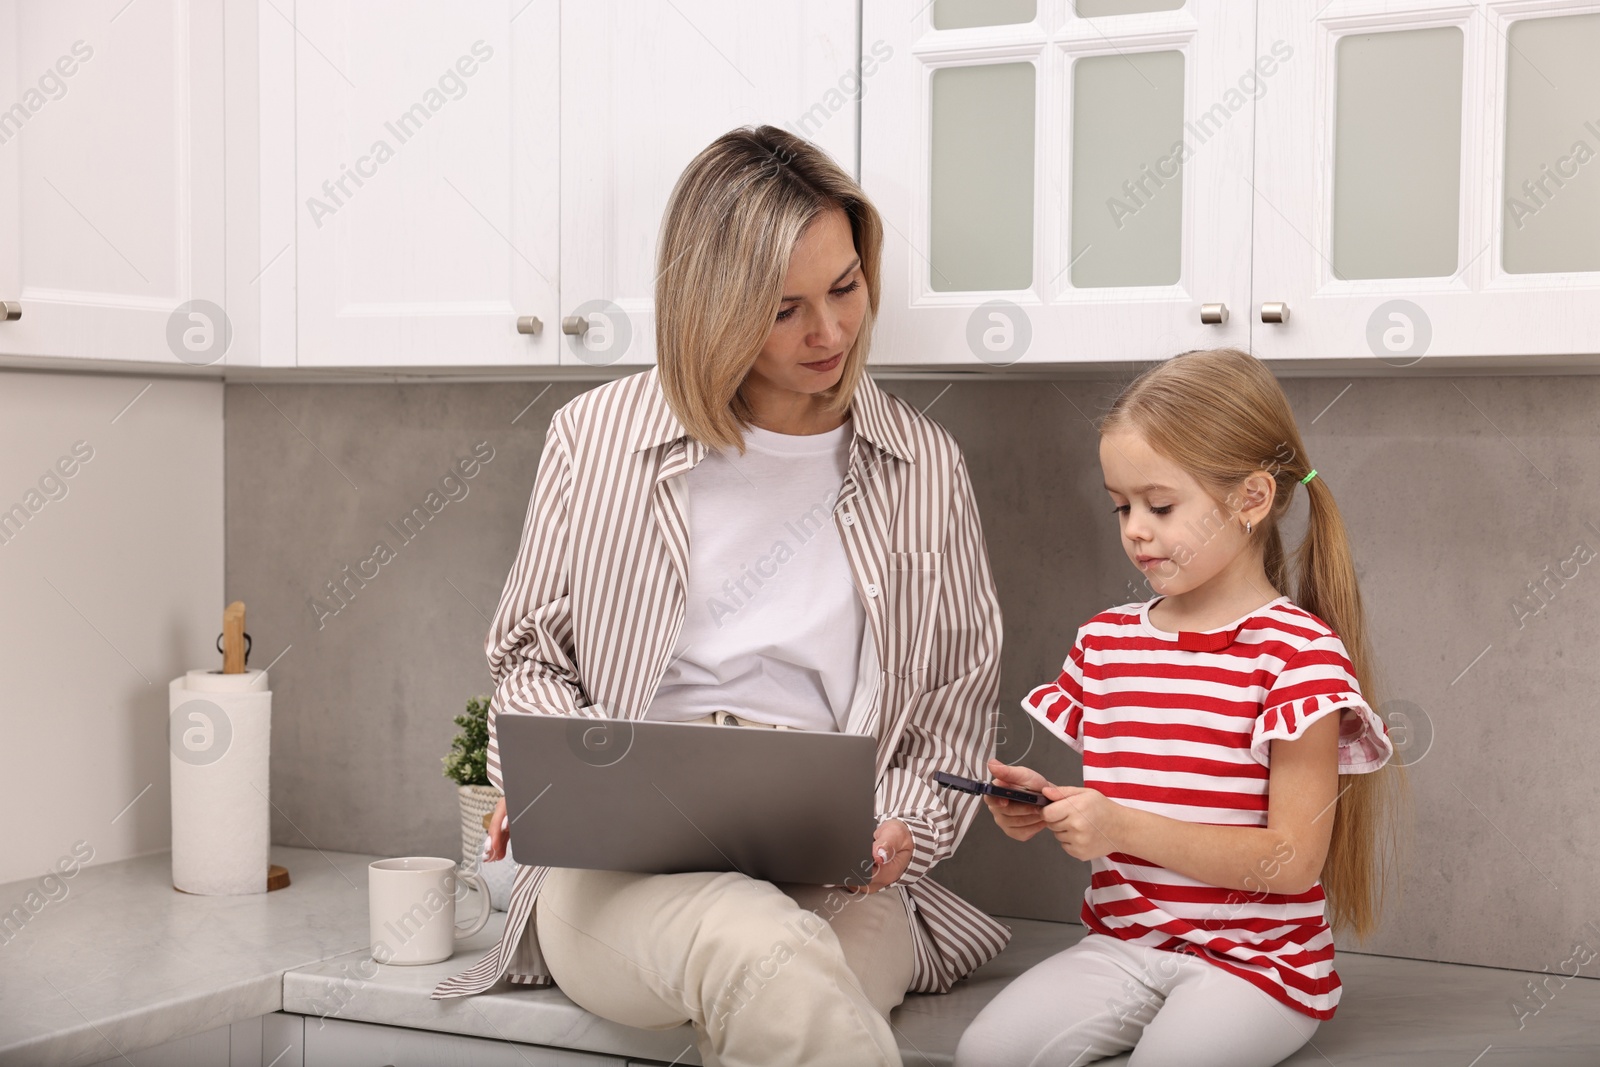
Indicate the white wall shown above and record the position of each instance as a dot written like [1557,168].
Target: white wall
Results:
[106,593]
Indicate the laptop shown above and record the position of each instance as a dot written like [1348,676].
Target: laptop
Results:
[669,797]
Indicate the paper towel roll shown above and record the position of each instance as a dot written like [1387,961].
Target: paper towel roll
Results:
[220,732]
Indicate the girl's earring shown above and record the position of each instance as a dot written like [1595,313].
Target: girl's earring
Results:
[1247,527]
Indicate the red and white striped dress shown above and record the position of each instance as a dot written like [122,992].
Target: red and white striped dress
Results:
[1181,725]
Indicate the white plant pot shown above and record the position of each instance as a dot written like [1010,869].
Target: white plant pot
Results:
[477,801]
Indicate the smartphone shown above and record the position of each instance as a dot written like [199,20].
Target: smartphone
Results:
[971,785]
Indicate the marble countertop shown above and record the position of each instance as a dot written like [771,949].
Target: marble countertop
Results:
[1395,1012]
[927,1027]
[124,961]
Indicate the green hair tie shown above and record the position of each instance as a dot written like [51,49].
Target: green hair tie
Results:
[1308,477]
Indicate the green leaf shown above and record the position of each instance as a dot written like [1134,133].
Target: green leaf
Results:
[468,761]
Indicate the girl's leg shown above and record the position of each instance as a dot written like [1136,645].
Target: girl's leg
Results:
[1215,1019]
[1086,1002]
[733,955]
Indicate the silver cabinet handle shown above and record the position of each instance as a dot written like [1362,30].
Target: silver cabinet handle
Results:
[576,325]
[1275,311]
[529,324]
[1213,314]
[10,311]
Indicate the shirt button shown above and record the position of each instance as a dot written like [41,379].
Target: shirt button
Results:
[849,519]
[872,590]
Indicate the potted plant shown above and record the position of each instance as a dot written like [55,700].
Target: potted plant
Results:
[468,765]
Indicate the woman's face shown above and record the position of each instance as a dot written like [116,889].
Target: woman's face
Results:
[824,301]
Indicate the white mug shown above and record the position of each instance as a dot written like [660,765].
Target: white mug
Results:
[411,908]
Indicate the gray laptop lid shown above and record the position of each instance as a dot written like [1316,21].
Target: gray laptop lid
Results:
[666,797]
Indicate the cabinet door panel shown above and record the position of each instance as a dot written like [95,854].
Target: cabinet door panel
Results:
[110,175]
[1135,118]
[426,188]
[1552,137]
[1396,209]
[1422,183]
[645,87]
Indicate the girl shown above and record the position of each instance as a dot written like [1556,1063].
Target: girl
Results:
[1227,746]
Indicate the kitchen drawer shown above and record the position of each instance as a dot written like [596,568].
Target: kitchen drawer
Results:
[339,1043]
[266,1039]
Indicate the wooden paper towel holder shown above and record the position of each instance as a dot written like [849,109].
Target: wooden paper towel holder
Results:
[277,878]
[233,663]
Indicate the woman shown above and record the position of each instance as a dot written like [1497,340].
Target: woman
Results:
[752,532]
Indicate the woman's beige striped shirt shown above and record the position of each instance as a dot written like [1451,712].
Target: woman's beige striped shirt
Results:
[595,599]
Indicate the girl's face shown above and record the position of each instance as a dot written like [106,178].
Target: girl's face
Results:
[1173,531]
[824,301]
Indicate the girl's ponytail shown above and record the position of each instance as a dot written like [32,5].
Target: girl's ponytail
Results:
[1325,572]
[1362,854]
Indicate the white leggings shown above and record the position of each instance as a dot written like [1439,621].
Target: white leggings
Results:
[1103,996]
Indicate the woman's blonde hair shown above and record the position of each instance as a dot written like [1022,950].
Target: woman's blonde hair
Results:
[729,229]
[1221,415]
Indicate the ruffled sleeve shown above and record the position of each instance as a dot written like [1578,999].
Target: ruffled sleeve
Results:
[1316,681]
[1059,704]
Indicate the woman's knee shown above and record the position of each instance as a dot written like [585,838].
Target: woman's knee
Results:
[748,929]
[757,947]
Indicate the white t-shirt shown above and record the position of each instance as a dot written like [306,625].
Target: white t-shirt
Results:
[773,627]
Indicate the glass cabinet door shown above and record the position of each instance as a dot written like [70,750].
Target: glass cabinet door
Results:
[1060,179]
[1425,185]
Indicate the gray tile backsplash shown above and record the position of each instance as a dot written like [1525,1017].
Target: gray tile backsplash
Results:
[1465,497]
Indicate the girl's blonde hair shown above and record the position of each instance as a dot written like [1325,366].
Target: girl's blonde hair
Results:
[730,226]
[1221,415]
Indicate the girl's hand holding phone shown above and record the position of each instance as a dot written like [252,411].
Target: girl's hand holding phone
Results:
[1016,820]
[1086,822]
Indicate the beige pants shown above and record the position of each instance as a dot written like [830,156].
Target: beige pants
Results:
[768,973]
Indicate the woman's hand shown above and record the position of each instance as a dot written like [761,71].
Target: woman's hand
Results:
[1016,820]
[499,832]
[891,855]
[1086,822]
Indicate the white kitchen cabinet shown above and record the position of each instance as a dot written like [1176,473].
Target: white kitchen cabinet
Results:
[111,193]
[401,185]
[1060,180]
[538,190]
[286,1039]
[645,87]
[1063,181]
[1426,181]
[426,182]
[208,1049]
[1369,179]
[273,1040]
[340,1043]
